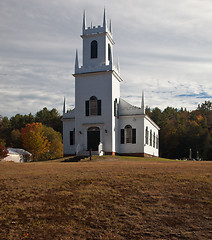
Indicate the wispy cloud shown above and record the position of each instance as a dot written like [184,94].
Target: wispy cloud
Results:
[164,48]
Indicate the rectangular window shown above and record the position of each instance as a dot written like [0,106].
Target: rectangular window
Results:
[133,135]
[122,136]
[72,138]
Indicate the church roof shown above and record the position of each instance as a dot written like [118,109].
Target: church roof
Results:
[69,114]
[126,109]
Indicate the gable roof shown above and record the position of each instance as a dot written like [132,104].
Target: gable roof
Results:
[126,108]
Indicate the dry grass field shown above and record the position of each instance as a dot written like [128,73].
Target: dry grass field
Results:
[107,198]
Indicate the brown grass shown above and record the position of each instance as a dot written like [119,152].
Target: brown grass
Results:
[108,198]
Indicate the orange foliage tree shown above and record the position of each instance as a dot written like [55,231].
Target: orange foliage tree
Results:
[34,140]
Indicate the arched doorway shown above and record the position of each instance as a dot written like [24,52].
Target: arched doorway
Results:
[93,138]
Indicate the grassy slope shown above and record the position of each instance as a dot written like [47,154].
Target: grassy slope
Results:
[109,198]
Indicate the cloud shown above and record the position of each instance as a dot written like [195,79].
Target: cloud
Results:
[164,48]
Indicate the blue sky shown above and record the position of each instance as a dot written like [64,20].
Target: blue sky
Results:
[164,48]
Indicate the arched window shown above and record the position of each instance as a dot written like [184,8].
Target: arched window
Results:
[128,135]
[109,52]
[150,137]
[93,106]
[94,49]
[147,136]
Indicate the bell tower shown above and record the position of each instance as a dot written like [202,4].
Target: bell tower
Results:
[97,89]
[97,47]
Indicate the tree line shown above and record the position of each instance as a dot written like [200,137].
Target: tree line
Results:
[180,131]
[40,134]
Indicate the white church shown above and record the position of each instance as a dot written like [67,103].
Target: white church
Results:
[103,122]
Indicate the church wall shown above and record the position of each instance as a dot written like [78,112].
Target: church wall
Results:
[99,85]
[115,121]
[87,60]
[102,58]
[137,123]
[147,148]
[68,125]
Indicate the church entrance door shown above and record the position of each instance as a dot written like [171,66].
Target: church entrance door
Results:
[93,138]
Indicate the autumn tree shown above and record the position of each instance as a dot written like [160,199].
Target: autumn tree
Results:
[3,152]
[42,141]
[34,140]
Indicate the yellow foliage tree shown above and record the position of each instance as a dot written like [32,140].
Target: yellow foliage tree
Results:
[55,142]
[34,140]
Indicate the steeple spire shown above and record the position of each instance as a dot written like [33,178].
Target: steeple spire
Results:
[142,104]
[64,106]
[76,61]
[110,26]
[104,21]
[84,26]
[118,65]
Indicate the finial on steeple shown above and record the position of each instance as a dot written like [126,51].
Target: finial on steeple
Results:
[76,61]
[142,104]
[104,21]
[118,65]
[64,106]
[110,26]
[84,22]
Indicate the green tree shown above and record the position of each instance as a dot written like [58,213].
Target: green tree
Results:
[5,131]
[55,143]
[50,118]
[16,138]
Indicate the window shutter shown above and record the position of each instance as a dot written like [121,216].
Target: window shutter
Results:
[99,107]
[86,108]
[133,135]
[71,137]
[122,136]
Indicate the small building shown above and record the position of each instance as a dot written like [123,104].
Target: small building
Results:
[102,121]
[18,155]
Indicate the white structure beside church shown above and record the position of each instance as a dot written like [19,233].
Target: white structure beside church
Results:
[102,120]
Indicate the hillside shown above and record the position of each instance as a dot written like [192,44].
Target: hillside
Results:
[108,198]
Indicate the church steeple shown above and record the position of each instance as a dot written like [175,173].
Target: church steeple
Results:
[76,61]
[97,48]
[142,104]
[118,65]
[104,21]
[84,26]
[64,106]
[110,26]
